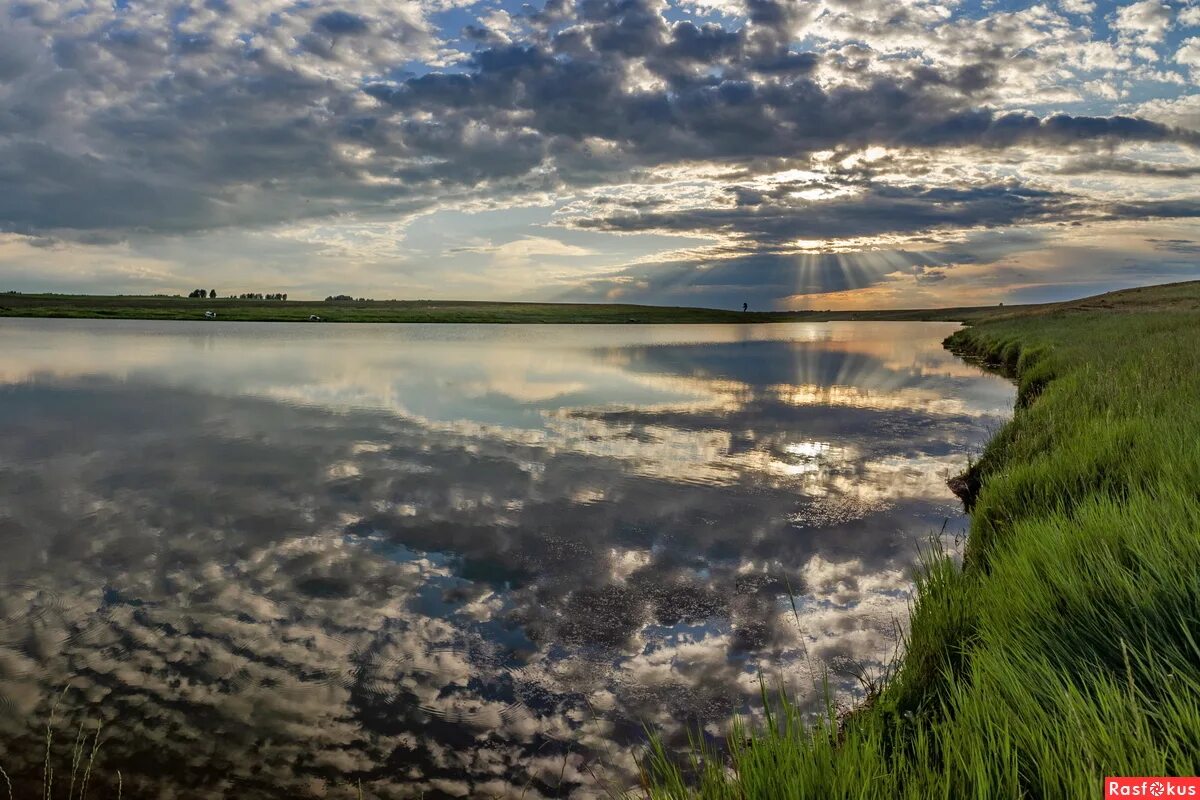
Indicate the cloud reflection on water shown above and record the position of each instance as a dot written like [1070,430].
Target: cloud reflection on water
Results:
[458,560]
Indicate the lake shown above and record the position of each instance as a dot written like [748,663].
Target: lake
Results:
[278,560]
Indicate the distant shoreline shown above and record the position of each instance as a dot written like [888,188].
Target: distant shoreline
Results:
[63,306]
[1174,296]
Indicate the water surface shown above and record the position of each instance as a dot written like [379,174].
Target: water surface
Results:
[452,561]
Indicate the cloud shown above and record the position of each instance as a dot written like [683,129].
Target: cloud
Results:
[341,22]
[521,254]
[1185,247]
[135,125]
[780,216]
[1188,53]
[1144,21]
[234,128]
[1128,166]
[531,246]
[1182,111]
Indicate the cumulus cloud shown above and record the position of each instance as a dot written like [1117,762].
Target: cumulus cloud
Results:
[1144,21]
[1188,53]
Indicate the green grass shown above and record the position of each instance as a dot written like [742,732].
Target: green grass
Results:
[1178,296]
[182,308]
[1067,648]
[81,760]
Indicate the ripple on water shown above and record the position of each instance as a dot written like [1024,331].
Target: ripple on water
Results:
[24,603]
[447,682]
[34,618]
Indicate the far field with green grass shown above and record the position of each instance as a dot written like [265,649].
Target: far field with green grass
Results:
[229,309]
[170,307]
[1067,646]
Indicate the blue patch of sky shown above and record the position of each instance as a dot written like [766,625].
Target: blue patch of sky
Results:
[452,20]
[680,12]
[669,637]
[397,551]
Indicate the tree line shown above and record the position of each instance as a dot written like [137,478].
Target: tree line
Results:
[211,294]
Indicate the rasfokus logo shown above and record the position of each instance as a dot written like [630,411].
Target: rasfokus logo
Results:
[1151,787]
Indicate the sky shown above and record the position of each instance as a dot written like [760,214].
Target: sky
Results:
[786,154]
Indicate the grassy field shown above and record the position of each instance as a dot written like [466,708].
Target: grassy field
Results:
[1067,648]
[182,308]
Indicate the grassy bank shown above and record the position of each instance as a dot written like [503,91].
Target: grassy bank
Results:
[183,308]
[1068,646]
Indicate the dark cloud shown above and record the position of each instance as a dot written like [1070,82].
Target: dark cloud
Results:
[704,116]
[342,23]
[1150,209]
[776,216]
[1181,246]
[1128,166]
[251,123]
